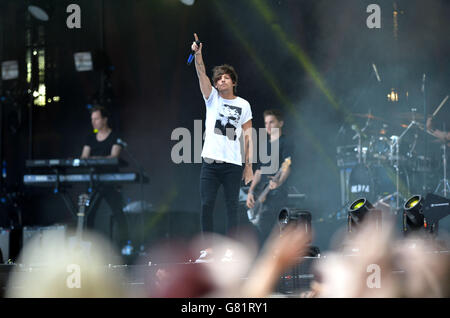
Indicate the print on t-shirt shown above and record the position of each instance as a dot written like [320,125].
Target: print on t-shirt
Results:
[227,121]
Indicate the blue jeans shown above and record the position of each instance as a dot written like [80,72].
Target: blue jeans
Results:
[212,176]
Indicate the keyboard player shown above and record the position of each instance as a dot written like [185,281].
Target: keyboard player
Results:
[102,143]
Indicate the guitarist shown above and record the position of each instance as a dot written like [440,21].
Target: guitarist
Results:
[276,198]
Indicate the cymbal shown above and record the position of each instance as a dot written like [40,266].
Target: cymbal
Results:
[369,116]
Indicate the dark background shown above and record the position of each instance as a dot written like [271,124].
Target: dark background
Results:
[311,59]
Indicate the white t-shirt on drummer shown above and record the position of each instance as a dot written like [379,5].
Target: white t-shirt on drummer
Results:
[223,127]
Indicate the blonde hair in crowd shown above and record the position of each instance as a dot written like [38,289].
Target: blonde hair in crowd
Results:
[57,270]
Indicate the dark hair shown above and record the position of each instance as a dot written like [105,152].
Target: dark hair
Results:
[274,112]
[103,111]
[220,70]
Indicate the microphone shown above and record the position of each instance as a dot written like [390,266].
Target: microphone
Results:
[376,72]
[191,56]
[121,142]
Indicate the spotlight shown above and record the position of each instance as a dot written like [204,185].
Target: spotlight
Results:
[413,218]
[302,220]
[294,216]
[360,210]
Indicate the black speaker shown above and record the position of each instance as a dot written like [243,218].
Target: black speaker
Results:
[435,208]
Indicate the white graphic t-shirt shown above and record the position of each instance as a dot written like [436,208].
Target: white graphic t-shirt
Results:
[224,120]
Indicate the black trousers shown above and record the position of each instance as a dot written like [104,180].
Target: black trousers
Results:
[212,176]
[275,201]
[114,199]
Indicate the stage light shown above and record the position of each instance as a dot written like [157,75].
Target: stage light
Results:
[393,96]
[40,95]
[359,211]
[302,220]
[10,70]
[413,218]
[413,202]
[294,216]
[39,11]
[83,61]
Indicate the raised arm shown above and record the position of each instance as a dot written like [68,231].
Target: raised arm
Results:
[248,152]
[279,254]
[205,83]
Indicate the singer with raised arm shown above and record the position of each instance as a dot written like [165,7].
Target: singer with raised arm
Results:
[103,142]
[228,117]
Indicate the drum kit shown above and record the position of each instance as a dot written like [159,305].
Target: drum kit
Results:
[390,161]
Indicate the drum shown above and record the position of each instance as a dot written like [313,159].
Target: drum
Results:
[375,181]
[347,156]
[361,183]
[380,148]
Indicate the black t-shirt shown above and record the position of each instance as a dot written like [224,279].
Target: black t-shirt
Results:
[101,148]
[286,149]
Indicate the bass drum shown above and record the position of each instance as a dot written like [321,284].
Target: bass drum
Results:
[376,181]
[361,183]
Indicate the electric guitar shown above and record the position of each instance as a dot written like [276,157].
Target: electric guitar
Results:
[254,213]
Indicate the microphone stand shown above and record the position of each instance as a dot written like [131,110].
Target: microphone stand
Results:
[425,114]
[143,173]
[359,136]
[396,146]
[444,164]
